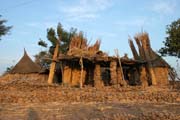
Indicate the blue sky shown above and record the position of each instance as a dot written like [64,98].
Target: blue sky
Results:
[112,21]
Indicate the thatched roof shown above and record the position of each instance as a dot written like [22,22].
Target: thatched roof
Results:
[159,62]
[146,53]
[79,46]
[25,66]
[97,58]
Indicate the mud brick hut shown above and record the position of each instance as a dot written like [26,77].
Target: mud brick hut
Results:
[85,64]
[156,70]
[99,70]
[26,69]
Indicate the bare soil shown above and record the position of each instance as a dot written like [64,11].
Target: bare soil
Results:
[30,100]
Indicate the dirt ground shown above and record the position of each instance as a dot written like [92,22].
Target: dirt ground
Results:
[29,100]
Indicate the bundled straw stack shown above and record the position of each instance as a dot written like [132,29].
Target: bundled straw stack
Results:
[79,46]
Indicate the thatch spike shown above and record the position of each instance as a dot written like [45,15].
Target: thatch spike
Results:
[143,40]
[145,45]
[141,52]
[25,53]
[133,49]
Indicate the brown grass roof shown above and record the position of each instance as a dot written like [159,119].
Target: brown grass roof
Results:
[25,66]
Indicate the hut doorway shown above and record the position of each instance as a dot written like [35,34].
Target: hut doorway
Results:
[105,75]
[131,75]
[58,74]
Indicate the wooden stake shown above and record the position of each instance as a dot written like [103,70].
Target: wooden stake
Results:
[119,60]
[53,64]
[82,67]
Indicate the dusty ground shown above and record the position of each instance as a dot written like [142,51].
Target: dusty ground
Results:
[31,100]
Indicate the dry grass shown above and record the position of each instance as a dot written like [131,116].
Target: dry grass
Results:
[79,46]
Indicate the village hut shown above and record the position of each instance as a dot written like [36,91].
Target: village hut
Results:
[85,64]
[25,66]
[155,71]
[26,69]
[77,67]
[161,69]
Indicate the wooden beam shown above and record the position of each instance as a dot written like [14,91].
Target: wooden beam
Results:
[53,64]
[82,67]
[121,69]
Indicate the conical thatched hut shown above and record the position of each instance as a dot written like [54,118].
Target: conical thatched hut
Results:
[26,69]
[25,66]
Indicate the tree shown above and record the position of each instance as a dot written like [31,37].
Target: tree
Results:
[8,69]
[53,36]
[172,42]
[40,59]
[62,35]
[42,43]
[3,28]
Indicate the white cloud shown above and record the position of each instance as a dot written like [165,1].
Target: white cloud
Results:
[136,22]
[41,24]
[86,9]
[164,7]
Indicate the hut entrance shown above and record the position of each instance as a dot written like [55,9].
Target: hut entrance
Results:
[58,74]
[90,73]
[105,75]
[131,75]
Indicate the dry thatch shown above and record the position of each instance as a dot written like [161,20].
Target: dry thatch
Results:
[79,46]
[133,49]
[25,66]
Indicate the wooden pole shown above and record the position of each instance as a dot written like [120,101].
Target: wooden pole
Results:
[119,60]
[53,64]
[82,67]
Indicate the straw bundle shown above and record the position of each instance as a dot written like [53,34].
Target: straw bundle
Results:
[79,46]
[133,49]
[78,42]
